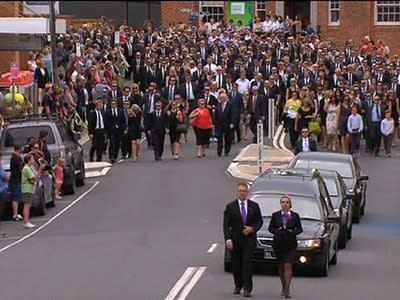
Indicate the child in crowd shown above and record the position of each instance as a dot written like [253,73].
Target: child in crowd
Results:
[58,176]
[387,128]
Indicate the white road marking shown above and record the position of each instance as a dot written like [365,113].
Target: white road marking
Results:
[96,165]
[212,248]
[282,142]
[120,161]
[180,283]
[192,283]
[104,171]
[93,174]
[50,220]
[142,140]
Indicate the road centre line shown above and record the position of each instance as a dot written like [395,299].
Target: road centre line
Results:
[180,283]
[192,283]
[212,248]
[50,220]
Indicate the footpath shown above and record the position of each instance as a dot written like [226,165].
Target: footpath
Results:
[244,167]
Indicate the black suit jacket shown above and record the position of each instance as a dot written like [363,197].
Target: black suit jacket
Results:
[166,92]
[158,124]
[183,91]
[92,121]
[233,224]
[276,228]
[237,105]
[40,78]
[115,124]
[312,144]
[261,107]
[223,118]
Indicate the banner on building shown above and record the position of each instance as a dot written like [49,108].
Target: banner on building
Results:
[240,11]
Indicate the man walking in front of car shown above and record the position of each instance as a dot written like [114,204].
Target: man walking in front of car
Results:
[242,219]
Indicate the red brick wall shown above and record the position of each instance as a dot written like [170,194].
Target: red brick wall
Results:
[9,9]
[270,7]
[171,12]
[357,21]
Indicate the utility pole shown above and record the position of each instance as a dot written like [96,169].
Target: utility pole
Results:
[53,42]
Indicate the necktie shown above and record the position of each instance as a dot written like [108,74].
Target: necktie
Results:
[151,104]
[254,104]
[114,112]
[378,116]
[220,81]
[306,144]
[98,126]
[285,219]
[129,49]
[208,99]
[126,117]
[158,113]
[115,94]
[223,106]
[170,93]
[243,212]
[233,95]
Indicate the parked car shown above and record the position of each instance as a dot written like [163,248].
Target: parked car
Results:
[61,141]
[318,244]
[347,166]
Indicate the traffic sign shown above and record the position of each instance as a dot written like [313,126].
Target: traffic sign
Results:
[192,18]
[13,71]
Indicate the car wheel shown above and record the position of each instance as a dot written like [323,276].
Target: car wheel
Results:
[350,231]
[41,208]
[227,263]
[80,179]
[334,258]
[322,269]
[70,188]
[342,237]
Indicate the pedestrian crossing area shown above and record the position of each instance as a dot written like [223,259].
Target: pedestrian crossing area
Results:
[96,169]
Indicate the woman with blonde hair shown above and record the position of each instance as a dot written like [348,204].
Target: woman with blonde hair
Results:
[172,73]
[332,109]
[135,129]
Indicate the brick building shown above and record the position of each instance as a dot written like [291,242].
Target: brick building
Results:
[340,20]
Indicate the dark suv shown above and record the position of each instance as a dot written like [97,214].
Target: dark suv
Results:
[61,141]
[318,243]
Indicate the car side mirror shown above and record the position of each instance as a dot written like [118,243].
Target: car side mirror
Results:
[333,219]
[364,177]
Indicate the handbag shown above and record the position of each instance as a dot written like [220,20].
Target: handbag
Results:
[193,118]
[314,127]
[182,128]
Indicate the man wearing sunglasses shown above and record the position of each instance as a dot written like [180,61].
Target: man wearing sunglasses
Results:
[305,143]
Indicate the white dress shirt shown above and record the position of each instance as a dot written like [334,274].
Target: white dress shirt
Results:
[306,144]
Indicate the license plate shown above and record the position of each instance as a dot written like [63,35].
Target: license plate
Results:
[269,254]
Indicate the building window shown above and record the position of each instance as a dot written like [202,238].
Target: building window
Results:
[387,12]
[333,13]
[260,10]
[213,9]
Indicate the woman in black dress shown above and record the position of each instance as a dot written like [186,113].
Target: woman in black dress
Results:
[174,116]
[135,129]
[304,115]
[285,225]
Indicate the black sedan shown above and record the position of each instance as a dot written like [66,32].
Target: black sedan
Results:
[318,243]
[347,166]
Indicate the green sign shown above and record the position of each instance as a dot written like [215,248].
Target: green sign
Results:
[240,11]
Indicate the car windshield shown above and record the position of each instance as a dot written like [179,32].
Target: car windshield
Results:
[304,206]
[342,167]
[330,183]
[20,135]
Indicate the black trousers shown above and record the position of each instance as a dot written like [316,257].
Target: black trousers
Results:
[354,143]
[126,145]
[253,128]
[387,140]
[293,134]
[115,143]
[375,136]
[97,145]
[147,128]
[224,141]
[158,139]
[242,266]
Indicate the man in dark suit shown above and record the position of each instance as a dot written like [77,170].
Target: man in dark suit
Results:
[128,53]
[366,106]
[236,101]
[115,93]
[96,130]
[157,129]
[373,123]
[305,143]
[223,124]
[220,78]
[170,90]
[139,70]
[126,146]
[189,91]
[149,105]
[242,219]
[257,107]
[115,125]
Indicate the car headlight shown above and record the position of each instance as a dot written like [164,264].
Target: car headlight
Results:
[315,243]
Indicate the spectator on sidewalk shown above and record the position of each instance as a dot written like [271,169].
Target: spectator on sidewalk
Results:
[29,179]
[58,176]
[16,165]
[4,178]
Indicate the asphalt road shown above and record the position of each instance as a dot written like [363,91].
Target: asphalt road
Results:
[139,230]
